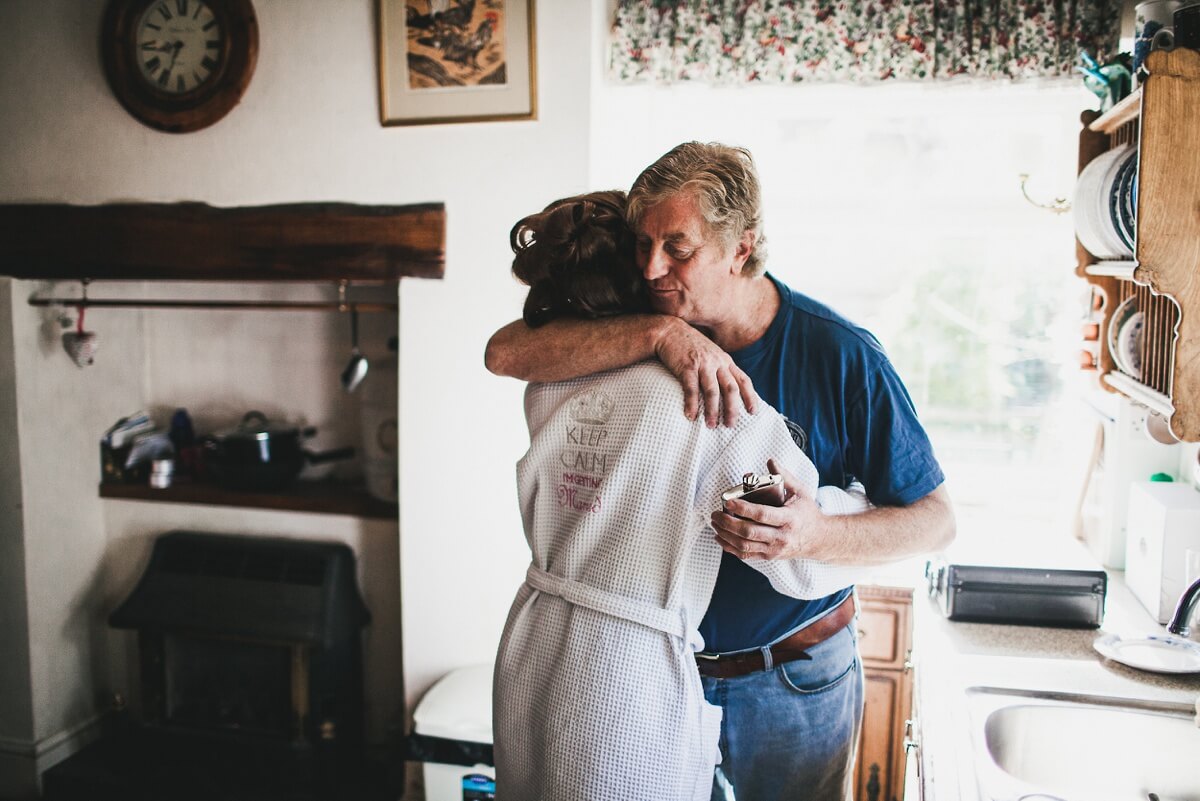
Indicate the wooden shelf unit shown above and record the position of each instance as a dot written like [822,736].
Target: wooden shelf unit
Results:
[302,242]
[305,496]
[198,242]
[1162,120]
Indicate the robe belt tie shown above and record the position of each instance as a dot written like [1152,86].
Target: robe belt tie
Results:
[669,621]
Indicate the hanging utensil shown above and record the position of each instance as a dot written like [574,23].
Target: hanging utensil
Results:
[79,344]
[356,370]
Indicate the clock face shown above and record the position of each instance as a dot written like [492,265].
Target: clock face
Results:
[179,45]
[179,65]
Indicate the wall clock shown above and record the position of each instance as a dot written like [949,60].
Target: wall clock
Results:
[179,65]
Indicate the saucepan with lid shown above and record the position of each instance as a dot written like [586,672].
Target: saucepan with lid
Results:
[261,455]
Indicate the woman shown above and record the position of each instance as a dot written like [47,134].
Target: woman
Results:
[596,692]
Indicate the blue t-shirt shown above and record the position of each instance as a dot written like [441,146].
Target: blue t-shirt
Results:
[853,417]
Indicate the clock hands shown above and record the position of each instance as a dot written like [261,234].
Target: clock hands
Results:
[167,47]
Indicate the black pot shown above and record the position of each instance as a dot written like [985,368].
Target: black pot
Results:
[260,456]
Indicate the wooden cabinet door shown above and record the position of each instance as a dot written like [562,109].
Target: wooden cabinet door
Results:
[884,626]
[876,764]
[885,638]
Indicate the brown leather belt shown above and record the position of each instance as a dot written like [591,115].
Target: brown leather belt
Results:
[795,647]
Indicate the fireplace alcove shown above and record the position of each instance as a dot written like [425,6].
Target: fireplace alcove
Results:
[192,750]
[250,655]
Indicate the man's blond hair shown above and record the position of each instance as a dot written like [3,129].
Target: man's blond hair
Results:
[723,181]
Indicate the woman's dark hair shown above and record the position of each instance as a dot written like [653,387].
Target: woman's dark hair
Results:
[577,256]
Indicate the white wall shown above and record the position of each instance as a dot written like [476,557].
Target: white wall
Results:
[306,130]
[462,430]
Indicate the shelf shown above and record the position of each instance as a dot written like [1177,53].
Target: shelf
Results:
[305,496]
[1162,120]
[197,242]
[1113,269]
[1137,391]
[1168,241]
[1128,109]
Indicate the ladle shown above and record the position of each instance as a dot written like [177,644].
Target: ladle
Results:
[356,370]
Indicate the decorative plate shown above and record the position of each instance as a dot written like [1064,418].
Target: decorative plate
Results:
[1091,198]
[1121,206]
[1120,318]
[1106,199]
[1155,653]
[1129,344]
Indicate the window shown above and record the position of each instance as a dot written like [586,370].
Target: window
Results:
[900,206]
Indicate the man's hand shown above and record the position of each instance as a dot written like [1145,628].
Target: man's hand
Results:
[711,382]
[754,531]
[799,529]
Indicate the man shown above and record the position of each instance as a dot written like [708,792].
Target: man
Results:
[784,671]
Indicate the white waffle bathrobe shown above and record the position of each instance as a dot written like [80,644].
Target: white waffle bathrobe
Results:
[596,693]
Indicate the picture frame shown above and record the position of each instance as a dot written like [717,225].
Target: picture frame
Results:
[448,61]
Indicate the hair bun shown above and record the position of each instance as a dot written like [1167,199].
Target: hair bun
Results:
[521,236]
[576,255]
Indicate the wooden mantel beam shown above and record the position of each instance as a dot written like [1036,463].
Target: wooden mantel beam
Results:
[198,242]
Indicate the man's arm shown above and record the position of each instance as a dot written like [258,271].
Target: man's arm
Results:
[799,529]
[570,348]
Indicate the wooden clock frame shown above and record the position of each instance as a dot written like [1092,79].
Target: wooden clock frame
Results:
[190,111]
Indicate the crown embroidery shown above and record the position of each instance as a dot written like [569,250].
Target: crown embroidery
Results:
[592,407]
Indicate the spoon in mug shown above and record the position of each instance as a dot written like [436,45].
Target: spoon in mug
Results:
[356,370]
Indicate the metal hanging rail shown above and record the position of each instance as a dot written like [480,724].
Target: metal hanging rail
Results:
[341,304]
[245,305]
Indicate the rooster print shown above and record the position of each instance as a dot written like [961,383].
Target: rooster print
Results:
[455,43]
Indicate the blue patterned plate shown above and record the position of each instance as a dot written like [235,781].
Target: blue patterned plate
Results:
[1121,203]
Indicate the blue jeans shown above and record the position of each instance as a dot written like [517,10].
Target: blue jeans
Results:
[790,732]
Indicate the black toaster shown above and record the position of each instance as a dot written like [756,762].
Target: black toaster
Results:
[1025,595]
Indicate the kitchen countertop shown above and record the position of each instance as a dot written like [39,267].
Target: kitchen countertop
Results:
[951,656]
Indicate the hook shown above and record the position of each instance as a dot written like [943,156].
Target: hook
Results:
[1059,206]
[81,307]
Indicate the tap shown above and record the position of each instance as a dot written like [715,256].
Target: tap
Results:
[1183,610]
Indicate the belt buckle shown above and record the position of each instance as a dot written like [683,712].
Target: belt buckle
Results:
[710,657]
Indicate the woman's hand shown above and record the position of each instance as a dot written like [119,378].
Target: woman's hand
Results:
[711,382]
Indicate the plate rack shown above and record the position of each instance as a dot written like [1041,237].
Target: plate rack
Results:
[1162,120]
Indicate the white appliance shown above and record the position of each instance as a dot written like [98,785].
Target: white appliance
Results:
[1128,455]
[1164,523]
[458,707]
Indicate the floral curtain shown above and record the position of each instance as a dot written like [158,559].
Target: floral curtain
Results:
[783,41]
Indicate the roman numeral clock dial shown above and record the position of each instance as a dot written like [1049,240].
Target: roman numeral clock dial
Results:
[180,43]
[179,65]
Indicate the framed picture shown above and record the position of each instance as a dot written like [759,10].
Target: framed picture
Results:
[456,61]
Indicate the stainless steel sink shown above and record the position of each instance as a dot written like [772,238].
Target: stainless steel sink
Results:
[1046,746]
